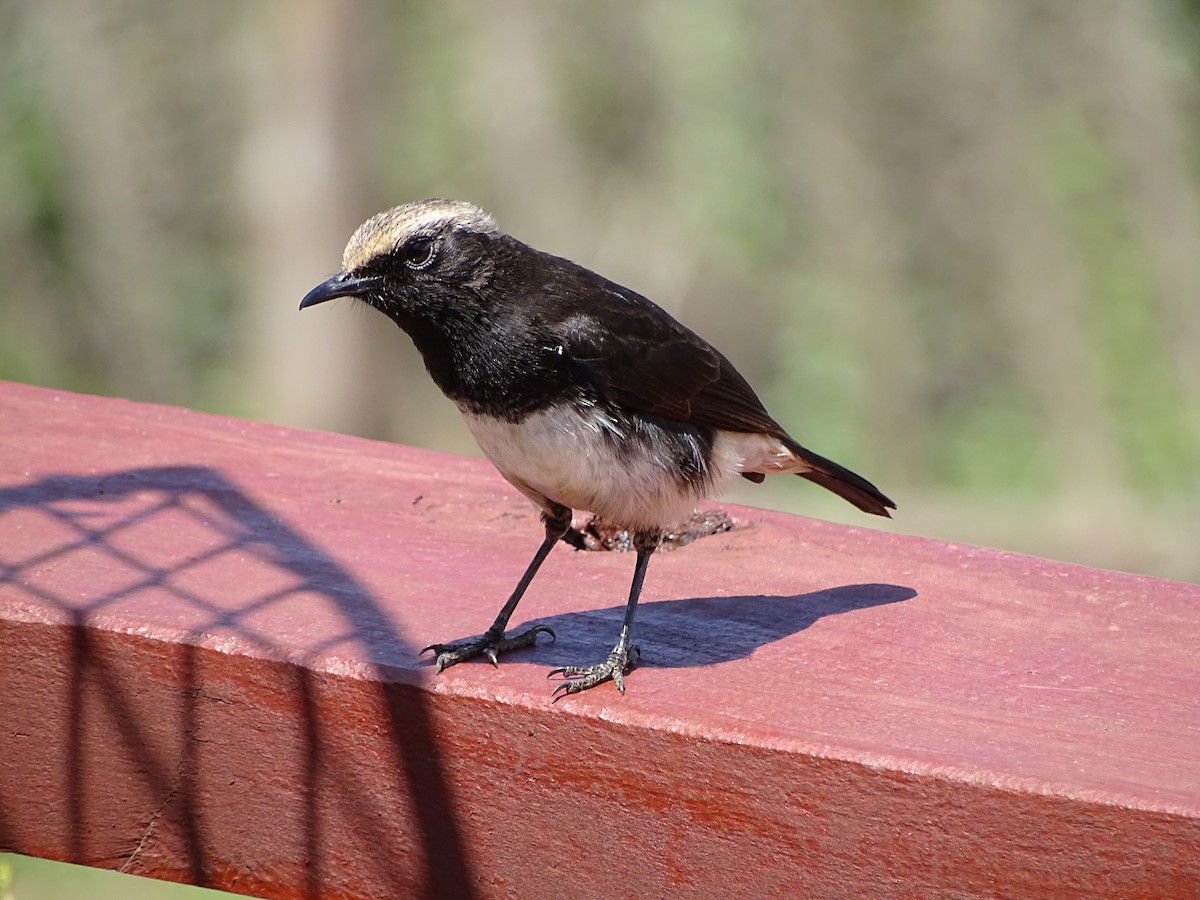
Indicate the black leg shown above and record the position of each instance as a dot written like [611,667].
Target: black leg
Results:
[494,641]
[580,678]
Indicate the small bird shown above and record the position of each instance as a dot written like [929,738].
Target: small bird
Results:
[583,393]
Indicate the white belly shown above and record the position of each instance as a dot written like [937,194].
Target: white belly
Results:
[568,455]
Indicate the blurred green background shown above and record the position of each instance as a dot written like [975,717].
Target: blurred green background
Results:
[956,245]
[27,878]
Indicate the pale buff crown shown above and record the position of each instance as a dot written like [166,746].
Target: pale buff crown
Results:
[386,231]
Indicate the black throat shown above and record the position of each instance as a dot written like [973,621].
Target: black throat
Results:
[492,363]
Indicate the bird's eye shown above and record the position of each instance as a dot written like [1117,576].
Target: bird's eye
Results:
[418,251]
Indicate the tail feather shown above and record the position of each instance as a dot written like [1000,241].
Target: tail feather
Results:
[843,482]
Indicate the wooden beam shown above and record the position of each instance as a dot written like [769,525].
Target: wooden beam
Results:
[209,673]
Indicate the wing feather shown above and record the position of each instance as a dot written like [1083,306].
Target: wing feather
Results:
[635,354]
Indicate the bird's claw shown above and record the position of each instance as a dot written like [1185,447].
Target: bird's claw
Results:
[490,644]
[580,678]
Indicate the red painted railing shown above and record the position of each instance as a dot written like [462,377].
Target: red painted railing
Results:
[209,673]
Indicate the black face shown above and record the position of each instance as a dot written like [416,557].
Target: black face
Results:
[434,279]
[447,259]
[385,276]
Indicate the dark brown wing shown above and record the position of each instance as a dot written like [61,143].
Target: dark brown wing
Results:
[635,354]
[640,357]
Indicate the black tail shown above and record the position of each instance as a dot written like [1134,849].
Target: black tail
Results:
[843,482]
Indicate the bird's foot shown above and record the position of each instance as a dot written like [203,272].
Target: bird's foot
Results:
[580,678]
[490,644]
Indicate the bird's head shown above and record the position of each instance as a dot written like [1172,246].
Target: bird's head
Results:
[409,257]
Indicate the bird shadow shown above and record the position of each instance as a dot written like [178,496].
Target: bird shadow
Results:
[704,631]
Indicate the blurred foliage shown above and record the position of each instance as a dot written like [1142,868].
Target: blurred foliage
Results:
[955,244]
[27,878]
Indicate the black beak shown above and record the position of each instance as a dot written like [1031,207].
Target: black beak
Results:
[343,284]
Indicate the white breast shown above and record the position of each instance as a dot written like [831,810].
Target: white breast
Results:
[568,454]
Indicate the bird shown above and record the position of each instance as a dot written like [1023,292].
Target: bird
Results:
[584,394]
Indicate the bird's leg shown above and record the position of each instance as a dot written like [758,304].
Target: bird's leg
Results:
[494,641]
[624,654]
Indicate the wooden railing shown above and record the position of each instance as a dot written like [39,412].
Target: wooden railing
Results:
[209,673]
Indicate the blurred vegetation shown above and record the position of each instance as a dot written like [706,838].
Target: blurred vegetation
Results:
[956,245]
[28,878]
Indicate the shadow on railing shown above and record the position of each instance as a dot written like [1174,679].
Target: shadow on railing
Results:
[705,631]
[136,521]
